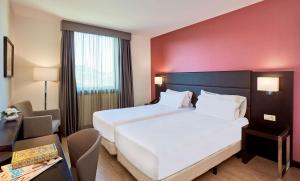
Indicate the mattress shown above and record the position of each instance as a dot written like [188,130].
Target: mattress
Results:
[106,121]
[163,146]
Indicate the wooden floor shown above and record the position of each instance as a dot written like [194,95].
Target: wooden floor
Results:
[258,169]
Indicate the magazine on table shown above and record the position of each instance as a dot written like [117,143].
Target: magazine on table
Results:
[26,173]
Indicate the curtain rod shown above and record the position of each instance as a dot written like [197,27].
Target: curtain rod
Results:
[84,28]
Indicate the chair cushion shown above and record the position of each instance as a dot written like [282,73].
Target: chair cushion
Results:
[55,125]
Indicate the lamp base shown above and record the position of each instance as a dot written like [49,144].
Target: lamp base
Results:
[45,96]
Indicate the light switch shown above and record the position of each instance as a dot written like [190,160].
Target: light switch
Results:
[269,117]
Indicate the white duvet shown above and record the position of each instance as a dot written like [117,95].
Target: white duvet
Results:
[162,146]
[106,121]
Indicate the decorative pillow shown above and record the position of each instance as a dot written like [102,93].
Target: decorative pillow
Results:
[172,100]
[216,107]
[187,99]
[240,99]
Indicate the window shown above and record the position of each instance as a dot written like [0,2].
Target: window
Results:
[96,62]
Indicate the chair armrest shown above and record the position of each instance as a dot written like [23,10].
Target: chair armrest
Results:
[55,113]
[37,126]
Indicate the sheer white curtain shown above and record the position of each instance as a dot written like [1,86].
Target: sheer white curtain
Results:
[97,74]
[96,60]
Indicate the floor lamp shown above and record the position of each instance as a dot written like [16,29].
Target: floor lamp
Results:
[45,74]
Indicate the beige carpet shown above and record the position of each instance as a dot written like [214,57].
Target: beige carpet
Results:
[258,169]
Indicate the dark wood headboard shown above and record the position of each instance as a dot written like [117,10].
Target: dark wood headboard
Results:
[222,82]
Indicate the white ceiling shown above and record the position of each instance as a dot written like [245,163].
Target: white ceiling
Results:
[143,17]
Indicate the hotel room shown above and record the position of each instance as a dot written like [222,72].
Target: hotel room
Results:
[95,90]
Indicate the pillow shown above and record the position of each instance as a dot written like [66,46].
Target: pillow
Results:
[240,99]
[172,100]
[216,107]
[187,99]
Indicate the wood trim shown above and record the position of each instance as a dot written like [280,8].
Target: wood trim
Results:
[84,28]
[261,134]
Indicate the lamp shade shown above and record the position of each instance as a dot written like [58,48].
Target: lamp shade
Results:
[45,74]
[158,80]
[269,84]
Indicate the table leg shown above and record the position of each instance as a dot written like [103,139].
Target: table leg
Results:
[246,156]
[279,157]
[244,152]
[288,153]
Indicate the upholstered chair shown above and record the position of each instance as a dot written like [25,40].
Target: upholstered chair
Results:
[84,151]
[38,123]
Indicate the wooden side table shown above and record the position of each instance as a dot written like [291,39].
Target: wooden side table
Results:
[279,135]
[59,171]
[9,132]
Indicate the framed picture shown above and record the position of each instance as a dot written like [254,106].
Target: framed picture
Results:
[8,57]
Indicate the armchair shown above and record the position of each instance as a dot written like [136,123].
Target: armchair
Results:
[38,123]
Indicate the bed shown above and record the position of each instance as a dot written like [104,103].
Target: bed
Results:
[185,145]
[106,121]
[165,146]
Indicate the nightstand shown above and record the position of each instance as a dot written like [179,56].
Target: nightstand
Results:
[278,135]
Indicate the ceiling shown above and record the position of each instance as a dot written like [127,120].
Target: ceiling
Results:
[144,17]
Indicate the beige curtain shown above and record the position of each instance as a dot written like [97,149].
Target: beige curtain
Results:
[97,75]
[103,71]
[92,102]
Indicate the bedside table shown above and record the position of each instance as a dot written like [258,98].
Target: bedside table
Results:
[278,135]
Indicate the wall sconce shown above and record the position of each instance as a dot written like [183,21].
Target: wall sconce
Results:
[268,84]
[158,80]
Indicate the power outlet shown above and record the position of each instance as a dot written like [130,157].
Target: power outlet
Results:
[269,117]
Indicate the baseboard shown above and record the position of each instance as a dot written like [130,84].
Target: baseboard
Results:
[295,164]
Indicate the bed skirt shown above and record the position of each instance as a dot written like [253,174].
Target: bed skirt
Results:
[190,172]
[109,146]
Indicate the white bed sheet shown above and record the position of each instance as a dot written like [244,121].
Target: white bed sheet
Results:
[162,146]
[106,121]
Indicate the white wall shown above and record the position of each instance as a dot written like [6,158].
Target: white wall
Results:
[141,67]
[4,31]
[37,44]
[37,38]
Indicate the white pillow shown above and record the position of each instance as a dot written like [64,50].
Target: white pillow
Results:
[240,99]
[172,100]
[216,107]
[187,99]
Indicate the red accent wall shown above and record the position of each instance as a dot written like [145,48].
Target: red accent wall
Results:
[264,36]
